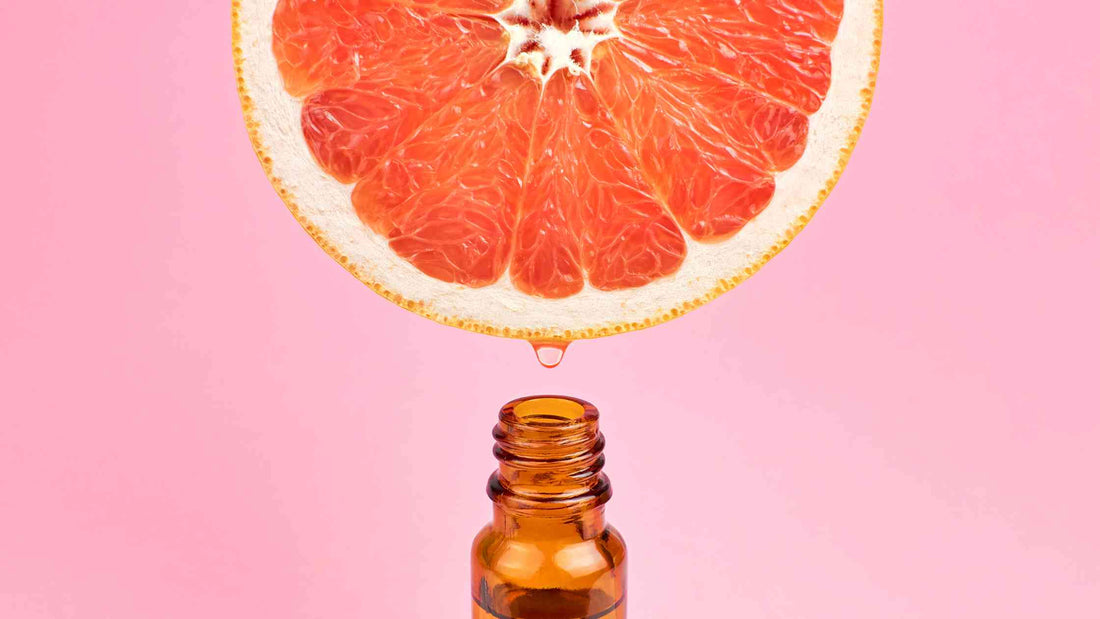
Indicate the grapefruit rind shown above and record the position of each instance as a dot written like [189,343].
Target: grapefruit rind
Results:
[322,205]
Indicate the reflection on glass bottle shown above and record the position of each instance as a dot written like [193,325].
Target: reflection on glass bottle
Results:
[549,552]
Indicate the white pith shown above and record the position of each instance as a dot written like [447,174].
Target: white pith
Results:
[326,203]
[555,44]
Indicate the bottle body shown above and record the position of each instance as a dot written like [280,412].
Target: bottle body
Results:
[549,552]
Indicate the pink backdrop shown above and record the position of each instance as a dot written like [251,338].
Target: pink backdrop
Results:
[204,416]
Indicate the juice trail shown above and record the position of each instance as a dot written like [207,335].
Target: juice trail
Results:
[550,354]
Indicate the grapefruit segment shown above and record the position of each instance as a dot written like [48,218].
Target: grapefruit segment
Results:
[480,8]
[547,259]
[819,18]
[363,103]
[587,209]
[316,44]
[322,44]
[780,49]
[702,162]
[446,199]
[349,129]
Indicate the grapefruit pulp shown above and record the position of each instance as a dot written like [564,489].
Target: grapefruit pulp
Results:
[554,169]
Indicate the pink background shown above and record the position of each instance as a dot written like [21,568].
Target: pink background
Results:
[204,416]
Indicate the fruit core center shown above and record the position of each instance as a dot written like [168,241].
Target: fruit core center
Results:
[548,35]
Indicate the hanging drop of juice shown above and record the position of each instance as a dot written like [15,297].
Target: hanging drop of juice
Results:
[549,353]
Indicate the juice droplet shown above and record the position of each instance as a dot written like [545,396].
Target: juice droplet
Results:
[549,353]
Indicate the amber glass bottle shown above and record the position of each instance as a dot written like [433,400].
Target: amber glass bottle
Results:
[549,552]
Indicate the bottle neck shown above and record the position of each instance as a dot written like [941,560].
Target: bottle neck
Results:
[551,476]
[585,525]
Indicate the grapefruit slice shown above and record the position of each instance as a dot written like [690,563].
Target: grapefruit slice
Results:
[554,169]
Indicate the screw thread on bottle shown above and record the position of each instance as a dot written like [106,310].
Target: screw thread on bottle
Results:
[550,451]
[549,551]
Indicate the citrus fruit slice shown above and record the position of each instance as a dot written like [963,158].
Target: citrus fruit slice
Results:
[554,169]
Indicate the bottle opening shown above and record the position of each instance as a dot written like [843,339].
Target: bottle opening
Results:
[548,410]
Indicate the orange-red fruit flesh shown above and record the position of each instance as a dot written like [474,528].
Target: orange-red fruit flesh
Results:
[471,169]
